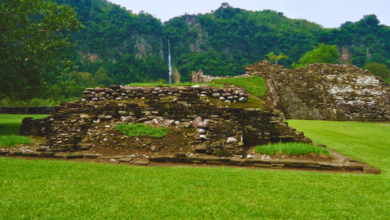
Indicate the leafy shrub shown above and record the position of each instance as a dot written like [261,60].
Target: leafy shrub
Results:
[141,130]
[295,149]
[378,69]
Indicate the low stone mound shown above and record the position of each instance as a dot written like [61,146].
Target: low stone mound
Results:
[218,130]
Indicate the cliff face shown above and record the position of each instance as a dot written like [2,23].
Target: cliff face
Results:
[325,92]
[199,44]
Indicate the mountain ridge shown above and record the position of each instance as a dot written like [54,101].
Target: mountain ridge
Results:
[133,47]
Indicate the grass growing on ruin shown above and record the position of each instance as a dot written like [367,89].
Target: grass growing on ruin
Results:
[10,123]
[177,84]
[39,189]
[254,84]
[141,130]
[12,140]
[292,149]
[253,102]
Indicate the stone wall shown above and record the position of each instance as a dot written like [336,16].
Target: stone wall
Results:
[230,95]
[35,127]
[199,77]
[22,110]
[325,92]
[219,129]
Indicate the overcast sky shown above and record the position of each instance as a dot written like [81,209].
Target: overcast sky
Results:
[328,13]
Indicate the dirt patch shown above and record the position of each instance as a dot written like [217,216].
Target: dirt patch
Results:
[118,144]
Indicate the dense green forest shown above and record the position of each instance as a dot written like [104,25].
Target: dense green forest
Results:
[132,47]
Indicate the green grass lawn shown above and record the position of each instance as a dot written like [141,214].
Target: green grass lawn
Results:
[254,84]
[34,189]
[9,126]
[10,123]
[13,140]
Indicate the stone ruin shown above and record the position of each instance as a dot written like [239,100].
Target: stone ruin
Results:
[325,92]
[197,77]
[215,127]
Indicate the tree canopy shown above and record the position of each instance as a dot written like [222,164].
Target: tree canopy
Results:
[133,47]
[275,58]
[320,54]
[378,69]
[35,45]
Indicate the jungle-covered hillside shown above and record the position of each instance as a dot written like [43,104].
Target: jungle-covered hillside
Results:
[133,46]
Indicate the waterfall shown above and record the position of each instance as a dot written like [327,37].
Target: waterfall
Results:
[169,62]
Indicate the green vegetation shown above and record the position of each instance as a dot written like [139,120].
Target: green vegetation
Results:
[128,44]
[36,45]
[12,140]
[10,123]
[275,58]
[32,189]
[367,142]
[120,46]
[36,102]
[177,84]
[141,130]
[378,69]
[9,126]
[293,149]
[254,85]
[253,102]
[320,54]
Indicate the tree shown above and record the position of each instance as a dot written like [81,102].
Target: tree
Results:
[35,45]
[378,69]
[101,78]
[82,78]
[320,54]
[273,57]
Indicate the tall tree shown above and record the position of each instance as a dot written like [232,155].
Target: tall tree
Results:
[320,54]
[101,78]
[35,45]
[275,58]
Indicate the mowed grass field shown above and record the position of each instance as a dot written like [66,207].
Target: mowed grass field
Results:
[10,123]
[35,189]
[9,126]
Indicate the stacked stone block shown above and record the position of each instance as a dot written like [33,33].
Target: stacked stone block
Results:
[325,92]
[224,131]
